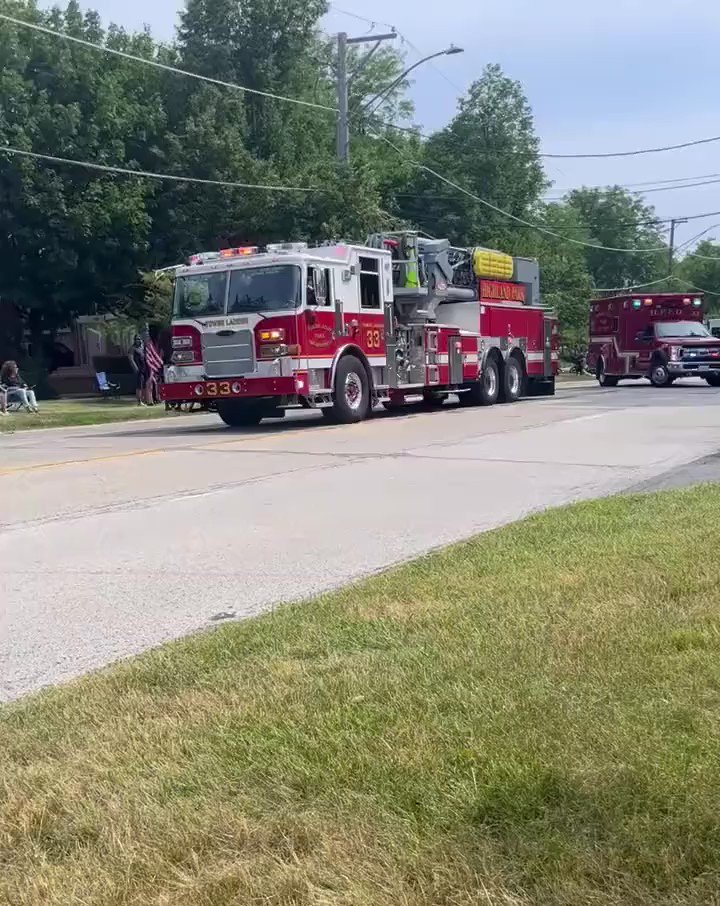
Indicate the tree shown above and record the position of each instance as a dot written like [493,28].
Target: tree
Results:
[617,219]
[490,149]
[70,239]
[703,273]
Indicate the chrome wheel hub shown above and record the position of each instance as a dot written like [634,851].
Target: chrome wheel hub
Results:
[353,391]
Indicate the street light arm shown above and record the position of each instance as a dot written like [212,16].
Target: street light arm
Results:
[382,94]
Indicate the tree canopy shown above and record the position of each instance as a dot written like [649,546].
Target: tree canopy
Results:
[76,241]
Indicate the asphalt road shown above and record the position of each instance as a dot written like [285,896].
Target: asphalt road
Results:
[115,539]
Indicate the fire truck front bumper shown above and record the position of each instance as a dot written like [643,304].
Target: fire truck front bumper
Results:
[235,388]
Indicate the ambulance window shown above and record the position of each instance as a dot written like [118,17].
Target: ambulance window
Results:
[370,283]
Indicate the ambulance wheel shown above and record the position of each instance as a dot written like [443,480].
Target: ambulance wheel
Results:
[659,375]
[486,391]
[351,393]
[713,380]
[513,380]
[236,414]
[605,380]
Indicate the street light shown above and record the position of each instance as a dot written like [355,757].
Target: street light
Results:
[448,52]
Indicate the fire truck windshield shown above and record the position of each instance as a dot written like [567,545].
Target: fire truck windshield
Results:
[679,329]
[199,295]
[274,288]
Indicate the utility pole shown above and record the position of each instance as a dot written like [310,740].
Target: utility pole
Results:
[343,85]
[671,255]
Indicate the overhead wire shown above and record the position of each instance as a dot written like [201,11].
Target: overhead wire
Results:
[24,23]
[108,168]
[625,289]
[514,217]
[232,184]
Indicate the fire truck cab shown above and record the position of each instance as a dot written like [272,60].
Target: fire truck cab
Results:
[342,327]
[660,337]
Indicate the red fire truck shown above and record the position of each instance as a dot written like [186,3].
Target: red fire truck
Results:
[661,337]
[341,328]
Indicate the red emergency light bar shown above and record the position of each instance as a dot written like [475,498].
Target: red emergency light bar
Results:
[223,254]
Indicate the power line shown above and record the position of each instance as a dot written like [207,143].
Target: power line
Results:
[691,144]
[628,289]
[164,66]
[374,22]
[698,289]
[696,237]
[634,185]
[514,217]
[359,18]
[553,156]
[106,168]
[689,185]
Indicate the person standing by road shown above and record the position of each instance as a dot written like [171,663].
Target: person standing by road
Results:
[153,369]
[16,390]
[139,367]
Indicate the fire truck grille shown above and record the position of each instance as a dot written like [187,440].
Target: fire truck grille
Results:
[230,355]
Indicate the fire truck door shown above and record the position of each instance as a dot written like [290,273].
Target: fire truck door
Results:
[547,346]
[455,360]
[338,323]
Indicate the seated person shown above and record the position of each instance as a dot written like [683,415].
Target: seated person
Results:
[16,390]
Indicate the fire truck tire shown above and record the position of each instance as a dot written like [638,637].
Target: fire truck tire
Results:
[433,400]
[713,380]
[351,393]
[512,381]
[236,414]
[486,391]
[659,374]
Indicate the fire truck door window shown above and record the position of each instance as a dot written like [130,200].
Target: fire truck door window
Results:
[370,283]
[200,295]
[319,287]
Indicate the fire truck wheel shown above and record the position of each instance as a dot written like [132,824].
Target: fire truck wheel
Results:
[433,400]
[236,414]
[486,391]
[659,375]
[512,381]
[351,393]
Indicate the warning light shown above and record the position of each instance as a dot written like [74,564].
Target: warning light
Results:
[647,302]
[697,302]
[637,303]
[238,252]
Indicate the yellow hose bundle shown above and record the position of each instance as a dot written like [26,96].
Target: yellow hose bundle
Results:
[487,263]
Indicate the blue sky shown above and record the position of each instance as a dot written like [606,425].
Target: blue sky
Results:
[607,76]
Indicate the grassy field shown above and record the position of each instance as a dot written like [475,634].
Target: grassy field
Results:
[527,718]
[65,413]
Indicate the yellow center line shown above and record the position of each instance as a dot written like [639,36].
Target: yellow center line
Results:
[252,438]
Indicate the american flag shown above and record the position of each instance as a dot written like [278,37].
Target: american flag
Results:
[153,358]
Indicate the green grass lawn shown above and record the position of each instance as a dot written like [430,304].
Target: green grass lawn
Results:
[532,717]
[66,413]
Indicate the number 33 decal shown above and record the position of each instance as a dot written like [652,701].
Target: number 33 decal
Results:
[373,338]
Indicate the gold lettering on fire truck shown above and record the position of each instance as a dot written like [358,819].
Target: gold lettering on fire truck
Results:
[500,291]
[374,336]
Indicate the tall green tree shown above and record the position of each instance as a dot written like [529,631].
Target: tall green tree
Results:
[615,218]
[70,239]
[491,149]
